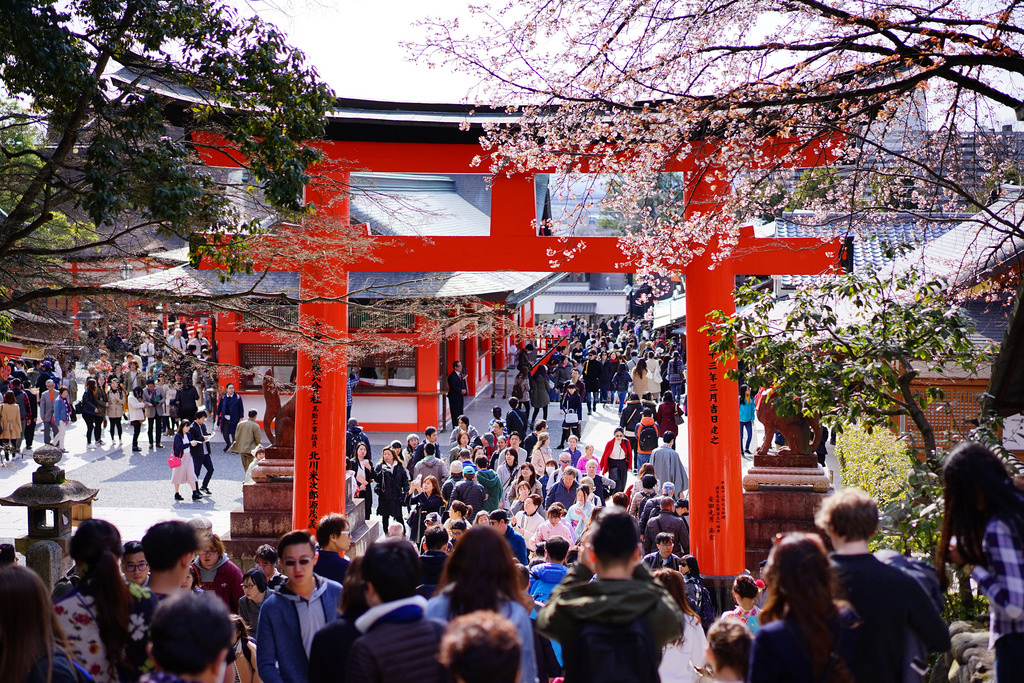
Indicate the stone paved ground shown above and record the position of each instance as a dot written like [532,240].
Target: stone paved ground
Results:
[135,489]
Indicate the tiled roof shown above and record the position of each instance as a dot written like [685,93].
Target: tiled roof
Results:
[978,246]
[504,286]
[886,231]
[411,204]
[187,281]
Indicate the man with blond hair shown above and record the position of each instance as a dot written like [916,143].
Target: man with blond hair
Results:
[895,611]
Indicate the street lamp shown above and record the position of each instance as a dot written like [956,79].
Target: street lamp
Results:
[126,270]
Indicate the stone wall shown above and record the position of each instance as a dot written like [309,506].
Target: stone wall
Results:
[969,660]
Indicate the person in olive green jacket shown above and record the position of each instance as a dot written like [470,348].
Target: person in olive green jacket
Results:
[624,592]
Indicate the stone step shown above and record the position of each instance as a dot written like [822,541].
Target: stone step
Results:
[362,536]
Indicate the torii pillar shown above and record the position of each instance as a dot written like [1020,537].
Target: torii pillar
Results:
[321,382]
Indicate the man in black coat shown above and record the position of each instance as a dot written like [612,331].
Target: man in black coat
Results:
[391,573]
[897,617]
[457,390]
[199,447]
[515,419]
[667,521]
[592,379]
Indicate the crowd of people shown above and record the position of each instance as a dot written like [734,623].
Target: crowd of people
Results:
[479,606]
[166,389]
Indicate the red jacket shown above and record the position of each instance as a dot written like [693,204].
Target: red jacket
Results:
[626,448]
[227,583]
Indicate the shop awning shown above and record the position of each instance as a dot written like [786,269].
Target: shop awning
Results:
[16,350]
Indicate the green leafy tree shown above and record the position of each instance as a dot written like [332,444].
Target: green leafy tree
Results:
[98,156]
[850,348]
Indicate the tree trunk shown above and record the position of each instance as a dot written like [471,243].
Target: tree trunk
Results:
[917,414]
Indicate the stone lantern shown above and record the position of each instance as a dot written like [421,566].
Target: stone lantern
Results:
[49,499]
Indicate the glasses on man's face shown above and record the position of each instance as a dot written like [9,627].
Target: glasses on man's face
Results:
[302,562]
[140,567]
[208,551]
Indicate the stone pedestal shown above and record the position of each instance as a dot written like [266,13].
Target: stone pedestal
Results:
[770,510]
[786,470]
[266,515]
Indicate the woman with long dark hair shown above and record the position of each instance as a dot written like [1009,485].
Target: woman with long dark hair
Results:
[481,575]
[94,407]
[245,653]
[33,641]
[806,635]
[184,473]
[983,534]
[115,408]
[667,413]
[426,498]
[678,659]
[362,465]
[392,488]
[540,392]
[104,617]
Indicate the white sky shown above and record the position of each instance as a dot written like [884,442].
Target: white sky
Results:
[355,45]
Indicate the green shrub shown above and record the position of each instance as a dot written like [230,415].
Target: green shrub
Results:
[877,463]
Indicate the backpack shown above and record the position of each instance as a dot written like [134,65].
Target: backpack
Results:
[647,438]
[915,657]
[610,653]
[644,497]
[704,608]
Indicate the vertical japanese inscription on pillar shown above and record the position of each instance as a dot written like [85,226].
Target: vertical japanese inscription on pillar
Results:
[315,384]
[713,397]
[716,501]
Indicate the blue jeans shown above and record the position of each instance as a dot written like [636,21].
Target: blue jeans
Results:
[642,459]
[747,427]
[1010,658]
[622,400]
[677,391]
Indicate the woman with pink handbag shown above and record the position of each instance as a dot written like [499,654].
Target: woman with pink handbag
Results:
[180,463]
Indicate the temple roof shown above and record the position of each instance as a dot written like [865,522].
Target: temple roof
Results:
[886,232]
[509,287]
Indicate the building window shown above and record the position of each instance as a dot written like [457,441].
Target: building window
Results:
[260,360]
[392,370]
[380,319]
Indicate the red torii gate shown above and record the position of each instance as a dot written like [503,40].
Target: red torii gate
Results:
[716,502]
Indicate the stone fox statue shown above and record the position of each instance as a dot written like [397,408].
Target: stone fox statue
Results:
[802,434]
[278,420]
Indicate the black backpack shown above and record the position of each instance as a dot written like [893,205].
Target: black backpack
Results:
[647,438]
[610,653]
[704,607]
